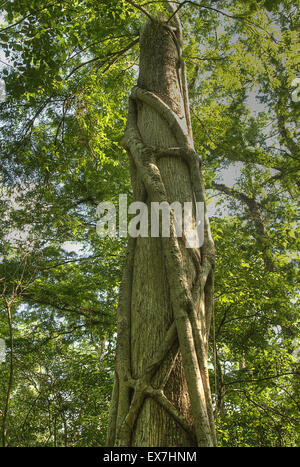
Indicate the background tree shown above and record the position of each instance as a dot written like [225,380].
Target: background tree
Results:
[167,289]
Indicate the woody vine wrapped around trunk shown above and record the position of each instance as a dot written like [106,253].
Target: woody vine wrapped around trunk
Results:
[161,394]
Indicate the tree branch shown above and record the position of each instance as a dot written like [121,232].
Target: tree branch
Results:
[141,8]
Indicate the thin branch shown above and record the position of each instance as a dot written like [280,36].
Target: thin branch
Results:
[176,11]
[141,8]
[236,194]
[238,17]
[238,381]
[214,9]
[205,58]
[267,409]
[14,24]
[83,49]
[70,261]
[25,17]
[8,64]
[119,53]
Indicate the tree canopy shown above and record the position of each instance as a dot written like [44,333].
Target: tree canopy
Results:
[68,67]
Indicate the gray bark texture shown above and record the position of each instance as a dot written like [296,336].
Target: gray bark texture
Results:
[161,394]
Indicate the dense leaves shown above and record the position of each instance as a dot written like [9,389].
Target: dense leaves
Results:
[68,68]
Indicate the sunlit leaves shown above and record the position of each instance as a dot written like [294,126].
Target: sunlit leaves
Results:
[70,66]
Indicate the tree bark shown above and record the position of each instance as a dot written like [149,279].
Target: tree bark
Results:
[161,394]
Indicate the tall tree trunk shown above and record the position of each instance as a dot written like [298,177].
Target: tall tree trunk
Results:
[11,374]
[161,394]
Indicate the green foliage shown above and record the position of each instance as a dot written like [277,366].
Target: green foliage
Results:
[69,68]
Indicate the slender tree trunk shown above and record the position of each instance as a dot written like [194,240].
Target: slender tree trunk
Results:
[161,394]
[11,375]
[262,237]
